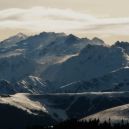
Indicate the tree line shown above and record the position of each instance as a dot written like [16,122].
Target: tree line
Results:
[91,124]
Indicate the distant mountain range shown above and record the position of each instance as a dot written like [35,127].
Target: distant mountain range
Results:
[54,77]
[22,56]
[62,61]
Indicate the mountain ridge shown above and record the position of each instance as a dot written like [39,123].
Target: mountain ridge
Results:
[59,58]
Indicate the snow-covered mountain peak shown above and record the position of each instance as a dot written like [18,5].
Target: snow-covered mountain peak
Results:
[51,33]
[98,41]
[72,36]
[121,44]
[21,35]
[71,39]
[16,38]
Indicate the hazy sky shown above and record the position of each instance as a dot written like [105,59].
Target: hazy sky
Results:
[107,19]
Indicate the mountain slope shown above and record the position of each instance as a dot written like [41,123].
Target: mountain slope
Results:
[11,41]
[116,114]
[93,61]
[19,112]
[15,68]
[114,81]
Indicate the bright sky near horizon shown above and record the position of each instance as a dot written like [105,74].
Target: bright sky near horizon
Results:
[107,19]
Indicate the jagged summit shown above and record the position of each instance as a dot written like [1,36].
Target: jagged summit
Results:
[16,38]
[121,44]
[21,35]
[51,33]
[72,36]
[98,41]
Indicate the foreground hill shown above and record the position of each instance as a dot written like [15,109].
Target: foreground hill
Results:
[53,108]
[116,114]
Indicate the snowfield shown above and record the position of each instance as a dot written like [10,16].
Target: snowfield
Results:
[116,114]
[23,101]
